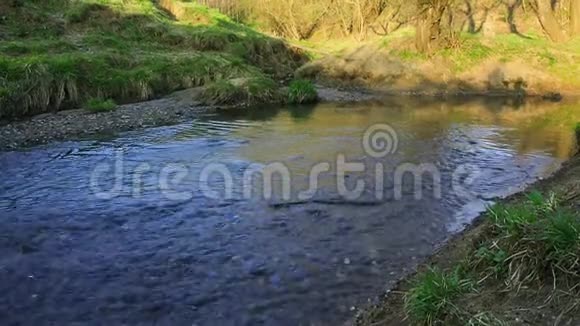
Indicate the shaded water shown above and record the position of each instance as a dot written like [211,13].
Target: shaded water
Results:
[145,256]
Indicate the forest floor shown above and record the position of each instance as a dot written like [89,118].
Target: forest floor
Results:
[519,264]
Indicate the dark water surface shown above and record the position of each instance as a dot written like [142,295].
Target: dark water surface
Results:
[158,251]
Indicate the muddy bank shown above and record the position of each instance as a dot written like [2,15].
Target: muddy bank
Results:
[176,108]
[377,68]
[533,305]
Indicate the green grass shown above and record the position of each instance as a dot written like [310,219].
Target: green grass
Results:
[530,242]
[561,235]
[99,105]
[533,241]
[58,54]
[560,60]
[433,297]
[470,53]
[513,220]
[301,92]
[241,92]
[494,258]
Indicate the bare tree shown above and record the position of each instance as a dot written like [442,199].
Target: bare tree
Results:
[547,18]
[390,20]
[291,18]
[429,27]
[301,19]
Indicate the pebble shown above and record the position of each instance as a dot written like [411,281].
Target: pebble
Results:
[69,124]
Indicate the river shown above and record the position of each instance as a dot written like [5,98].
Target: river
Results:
[163,225]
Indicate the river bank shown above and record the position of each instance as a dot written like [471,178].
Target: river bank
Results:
[178,107]
[189,104]
[505,65]
[476,279]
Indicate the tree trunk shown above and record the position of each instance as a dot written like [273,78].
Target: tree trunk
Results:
[549,22]
[575,17]
[422,38]
[428,26]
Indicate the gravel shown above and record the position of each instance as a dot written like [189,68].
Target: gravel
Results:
[175,108]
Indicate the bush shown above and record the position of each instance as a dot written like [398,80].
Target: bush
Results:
[302,91]
[100,105]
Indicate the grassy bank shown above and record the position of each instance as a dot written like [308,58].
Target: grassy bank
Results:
[56,55]
[504,63]
[519,266]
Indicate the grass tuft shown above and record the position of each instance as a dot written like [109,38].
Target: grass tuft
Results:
[561,235]
[513,220]
[302,92]
[431,300]
[96,105]
[535,241]
[543,204]
[241,92]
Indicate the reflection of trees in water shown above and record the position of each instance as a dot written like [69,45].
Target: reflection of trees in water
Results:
[534,126]
[323,130]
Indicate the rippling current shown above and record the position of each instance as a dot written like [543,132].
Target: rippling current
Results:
[121,230]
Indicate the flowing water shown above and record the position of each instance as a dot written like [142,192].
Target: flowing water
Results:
[125,229]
